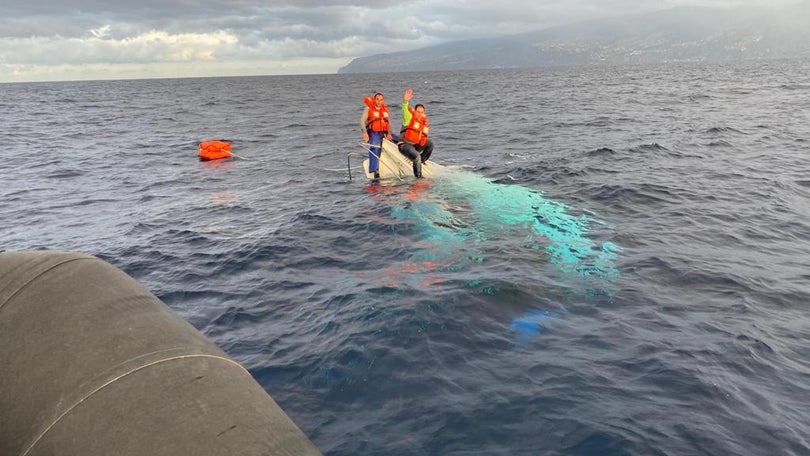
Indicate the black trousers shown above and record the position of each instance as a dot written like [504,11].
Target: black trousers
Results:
[417,154]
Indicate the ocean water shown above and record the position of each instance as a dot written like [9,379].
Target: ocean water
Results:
[617,261]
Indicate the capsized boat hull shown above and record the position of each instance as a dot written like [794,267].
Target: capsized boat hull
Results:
[395,165]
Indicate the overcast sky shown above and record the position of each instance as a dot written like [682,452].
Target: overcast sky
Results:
[44,40]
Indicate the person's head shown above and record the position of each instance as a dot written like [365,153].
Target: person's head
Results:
[420,108]
[378,99]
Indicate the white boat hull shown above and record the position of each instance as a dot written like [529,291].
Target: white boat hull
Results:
[395,165]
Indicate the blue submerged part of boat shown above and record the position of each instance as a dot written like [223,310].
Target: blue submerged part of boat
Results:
[532,323]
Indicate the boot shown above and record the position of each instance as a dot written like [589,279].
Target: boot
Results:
[417,167]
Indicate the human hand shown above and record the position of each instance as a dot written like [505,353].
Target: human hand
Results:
[365,136]
[408,95]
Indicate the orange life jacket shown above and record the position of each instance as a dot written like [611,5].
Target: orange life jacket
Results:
[377,118]
[417,130]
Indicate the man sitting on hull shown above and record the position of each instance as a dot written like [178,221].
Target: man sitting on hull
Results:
[414,142]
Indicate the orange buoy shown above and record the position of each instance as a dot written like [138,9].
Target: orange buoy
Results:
[214,150]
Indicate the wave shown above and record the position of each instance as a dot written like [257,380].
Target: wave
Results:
[601,152]
[724,130]
[647,148]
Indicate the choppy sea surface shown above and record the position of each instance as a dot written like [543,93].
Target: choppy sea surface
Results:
[617,261]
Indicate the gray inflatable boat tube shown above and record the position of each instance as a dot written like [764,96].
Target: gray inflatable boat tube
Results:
[91,363]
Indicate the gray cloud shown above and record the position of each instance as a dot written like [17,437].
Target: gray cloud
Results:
[41,37]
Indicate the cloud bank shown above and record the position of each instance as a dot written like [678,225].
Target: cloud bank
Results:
[93,39]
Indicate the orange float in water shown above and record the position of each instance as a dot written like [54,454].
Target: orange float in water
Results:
[214,150]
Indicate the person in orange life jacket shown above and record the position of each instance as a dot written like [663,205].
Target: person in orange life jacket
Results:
[374,124]
[414,134]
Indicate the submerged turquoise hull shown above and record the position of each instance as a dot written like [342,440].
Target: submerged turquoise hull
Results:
[458,217]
